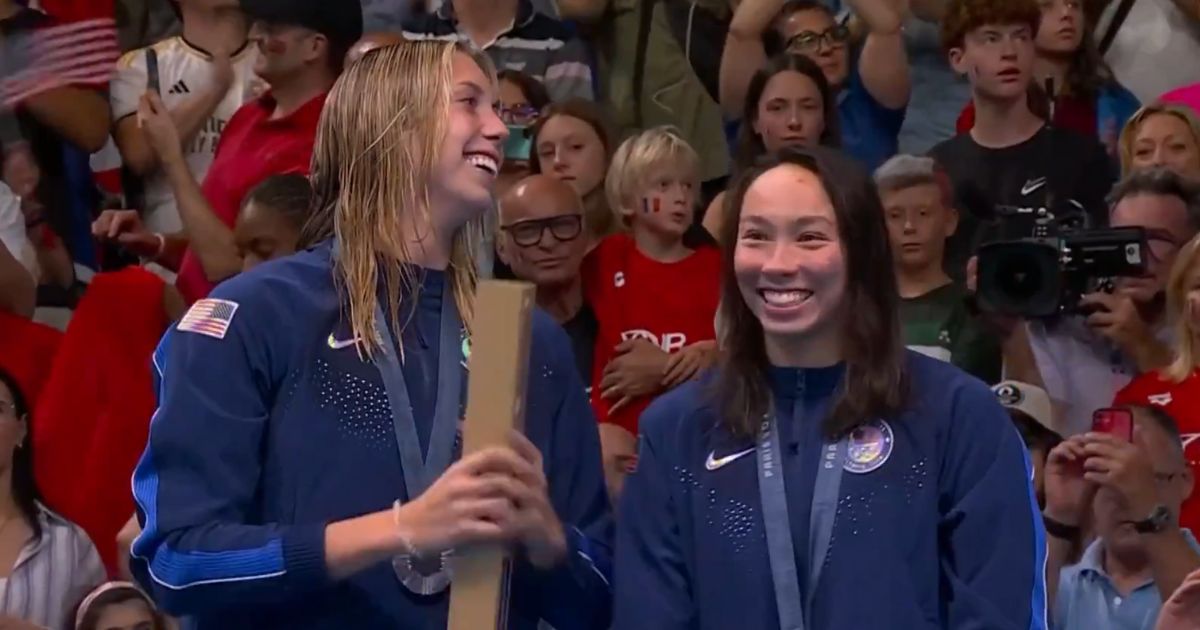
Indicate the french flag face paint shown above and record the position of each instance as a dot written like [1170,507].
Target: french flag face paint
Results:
[651,205]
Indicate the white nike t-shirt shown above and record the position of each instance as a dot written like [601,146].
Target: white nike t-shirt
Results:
[184,71]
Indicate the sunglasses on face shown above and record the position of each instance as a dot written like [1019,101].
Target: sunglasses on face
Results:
[566,227]
[810,41]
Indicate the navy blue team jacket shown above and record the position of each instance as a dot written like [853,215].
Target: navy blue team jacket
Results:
[268,434]
[939,530]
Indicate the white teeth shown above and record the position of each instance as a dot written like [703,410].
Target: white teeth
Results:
[784,298]
[484,162]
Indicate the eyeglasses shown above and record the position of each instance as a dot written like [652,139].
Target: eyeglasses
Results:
[565,227]
[522,115]
[810,41]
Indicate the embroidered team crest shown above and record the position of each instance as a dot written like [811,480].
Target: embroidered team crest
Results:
[209,317]
[869,448]
[619,279]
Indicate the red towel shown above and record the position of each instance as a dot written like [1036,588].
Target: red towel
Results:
[94,414]
[27,351]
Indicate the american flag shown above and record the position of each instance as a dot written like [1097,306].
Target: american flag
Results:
[78,46]
[209,317]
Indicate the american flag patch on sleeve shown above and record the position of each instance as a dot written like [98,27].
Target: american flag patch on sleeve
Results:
[209,317]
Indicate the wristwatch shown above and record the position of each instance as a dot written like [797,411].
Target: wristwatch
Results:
[1060,530]
[1158,520]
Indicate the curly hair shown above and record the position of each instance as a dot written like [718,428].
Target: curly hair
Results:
[964,16]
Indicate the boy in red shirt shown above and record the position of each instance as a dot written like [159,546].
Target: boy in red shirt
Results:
[654,298]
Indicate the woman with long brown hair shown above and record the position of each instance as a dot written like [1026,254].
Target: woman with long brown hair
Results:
[822,476]
[300,471]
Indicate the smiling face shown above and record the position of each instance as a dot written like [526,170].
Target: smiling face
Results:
[542,232]
[997,59]
[468,162]
[1061,30]
[828,51]
[789,262]
[1166,140]
[790,112]
[570,149]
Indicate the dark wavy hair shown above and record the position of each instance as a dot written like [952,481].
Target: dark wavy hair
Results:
[876,381]
[750,145]
[533,89]
[24,489]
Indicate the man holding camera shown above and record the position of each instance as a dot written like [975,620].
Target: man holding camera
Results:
[1084,361]
[1131,486]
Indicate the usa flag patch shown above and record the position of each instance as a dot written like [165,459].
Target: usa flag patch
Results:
[209,317]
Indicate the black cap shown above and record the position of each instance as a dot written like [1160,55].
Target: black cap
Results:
[338,20]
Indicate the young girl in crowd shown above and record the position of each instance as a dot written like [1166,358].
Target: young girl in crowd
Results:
[1162,135]
[1086,98]
[788,104]
[46,563]
[1177,387]
[522,99]
[823,477]
[118,606]
[871,81]
[654,297]
[572,141]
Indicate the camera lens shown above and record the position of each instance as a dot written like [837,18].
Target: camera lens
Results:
[1021,278]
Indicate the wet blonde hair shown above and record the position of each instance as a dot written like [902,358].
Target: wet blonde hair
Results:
[1130,131]
[642,156]
[1188,354]
[377,144]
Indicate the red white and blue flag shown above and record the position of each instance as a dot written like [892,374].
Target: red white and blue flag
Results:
[209,317]
[78,47]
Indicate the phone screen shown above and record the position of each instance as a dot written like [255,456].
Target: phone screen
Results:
[517,146]
[152,83]
[1116,422]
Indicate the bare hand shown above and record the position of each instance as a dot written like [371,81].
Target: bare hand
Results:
[688,362]
[129,532]
[1123,467]
[541,532]
[21,171]
[1182,610]
[1068,494]
[125,228]
[637,370]
[497,495]
[1118,320]
[155,121]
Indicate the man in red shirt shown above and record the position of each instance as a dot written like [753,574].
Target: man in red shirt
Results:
[302,44]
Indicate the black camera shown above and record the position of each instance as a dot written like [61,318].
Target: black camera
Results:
[1043,264]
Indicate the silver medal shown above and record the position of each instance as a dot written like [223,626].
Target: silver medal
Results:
[423,575]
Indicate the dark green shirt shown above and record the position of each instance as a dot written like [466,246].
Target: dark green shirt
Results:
[939,325]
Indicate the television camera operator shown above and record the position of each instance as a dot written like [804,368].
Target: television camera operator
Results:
[1093,298]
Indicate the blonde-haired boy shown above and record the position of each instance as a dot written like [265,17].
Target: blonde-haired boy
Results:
[654,297]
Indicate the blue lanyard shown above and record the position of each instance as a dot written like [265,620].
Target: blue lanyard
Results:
[795,612]
[420,472]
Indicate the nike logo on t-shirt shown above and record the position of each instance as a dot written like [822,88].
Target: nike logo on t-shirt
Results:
[714,463]
[1032,185]
[337,344]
